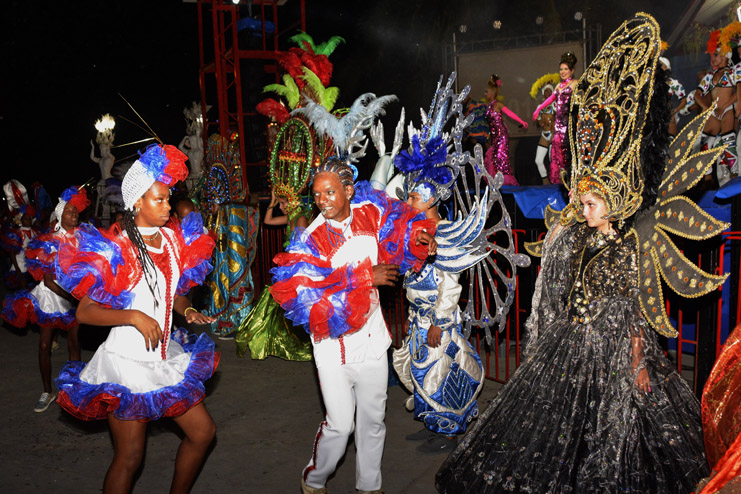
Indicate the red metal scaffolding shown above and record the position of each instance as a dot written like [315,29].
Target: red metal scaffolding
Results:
[221,76]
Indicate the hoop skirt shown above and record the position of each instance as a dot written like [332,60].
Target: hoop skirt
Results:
[267,332]
[571,419]
[139,390]
[38,306]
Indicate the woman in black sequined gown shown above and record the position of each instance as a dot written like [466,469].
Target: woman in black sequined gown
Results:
[596,407]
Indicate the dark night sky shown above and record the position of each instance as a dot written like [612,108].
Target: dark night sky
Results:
[65,62]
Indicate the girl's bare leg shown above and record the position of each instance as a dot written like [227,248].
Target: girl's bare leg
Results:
[199,429]
[129,440]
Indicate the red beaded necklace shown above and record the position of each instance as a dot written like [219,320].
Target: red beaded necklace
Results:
[163,262]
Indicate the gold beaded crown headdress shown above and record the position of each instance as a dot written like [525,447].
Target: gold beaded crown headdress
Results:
[607,135]
[612,98]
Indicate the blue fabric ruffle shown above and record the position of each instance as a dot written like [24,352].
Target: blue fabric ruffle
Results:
[192,230]
[298,310]
[192,226]
[10,240]
[49,244]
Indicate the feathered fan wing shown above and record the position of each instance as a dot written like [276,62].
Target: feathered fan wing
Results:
[329,46]
[288,90]
[324,96]
[492,281]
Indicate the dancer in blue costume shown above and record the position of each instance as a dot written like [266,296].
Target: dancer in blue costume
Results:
[134,280]
[234,225]
[436,362]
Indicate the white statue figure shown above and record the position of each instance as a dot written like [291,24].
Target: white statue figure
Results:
[192,143]
[105,137]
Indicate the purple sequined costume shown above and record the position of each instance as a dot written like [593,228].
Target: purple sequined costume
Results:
[560,142]
[497,156]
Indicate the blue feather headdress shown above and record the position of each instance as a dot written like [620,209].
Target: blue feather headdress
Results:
[432,162]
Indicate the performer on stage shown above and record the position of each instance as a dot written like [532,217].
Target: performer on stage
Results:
[497,155]
[561,97]
[48,305]
[134,280]
[596,406]
[546,120]
[676,90]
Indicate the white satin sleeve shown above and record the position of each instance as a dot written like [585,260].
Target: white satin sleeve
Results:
[448,296]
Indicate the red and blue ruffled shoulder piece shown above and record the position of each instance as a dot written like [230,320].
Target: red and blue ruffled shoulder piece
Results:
[330,302]
[327,302]
[10,239]
[41,254]
[101,265]
[196,248]
[400,224]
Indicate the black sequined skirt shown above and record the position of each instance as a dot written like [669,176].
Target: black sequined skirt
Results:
[571,421]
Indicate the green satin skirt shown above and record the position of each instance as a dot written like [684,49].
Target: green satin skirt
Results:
[266,332]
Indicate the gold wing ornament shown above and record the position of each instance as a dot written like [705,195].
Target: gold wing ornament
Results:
[658,256]
[551,217]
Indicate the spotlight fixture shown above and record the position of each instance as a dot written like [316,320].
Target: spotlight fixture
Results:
[578,16]
[497,24]
[539,20]
[463,28]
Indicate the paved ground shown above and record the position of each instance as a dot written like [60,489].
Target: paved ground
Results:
[267,413]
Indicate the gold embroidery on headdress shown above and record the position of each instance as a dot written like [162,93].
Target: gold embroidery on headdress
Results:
[606,133]
[606,142]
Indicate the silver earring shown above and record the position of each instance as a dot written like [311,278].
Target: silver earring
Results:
[136,211]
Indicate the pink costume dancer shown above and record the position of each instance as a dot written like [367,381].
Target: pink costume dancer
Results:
[561,97]
[497,156]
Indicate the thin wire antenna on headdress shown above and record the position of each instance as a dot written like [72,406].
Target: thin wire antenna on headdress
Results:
[148,139]
[135,124]
[89,181]
[151,131]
